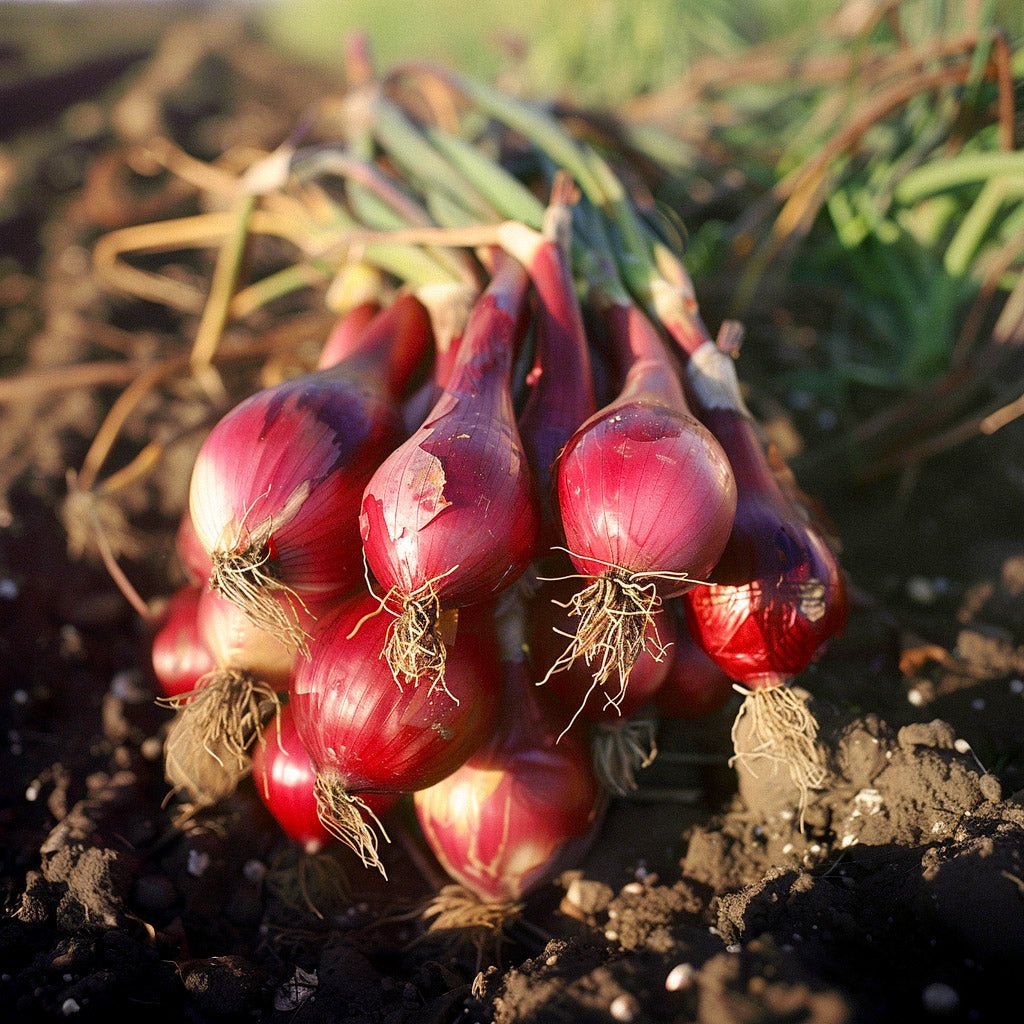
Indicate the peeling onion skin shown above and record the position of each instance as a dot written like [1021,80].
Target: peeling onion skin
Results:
[519,811]
[777,594]
[453,509]
[377,737]
[180,657]
[642,484]
[572,686]
[285,470]
[283,775]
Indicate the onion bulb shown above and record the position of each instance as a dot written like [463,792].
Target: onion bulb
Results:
[450,519]
[179,655]
[776,596]
[276,486]
[520,810]
[285,779]
[646,498]
[365,734]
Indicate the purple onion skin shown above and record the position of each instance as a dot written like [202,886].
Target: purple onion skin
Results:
[375,736]
[777,595]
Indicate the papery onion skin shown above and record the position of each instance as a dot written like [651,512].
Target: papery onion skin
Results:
[694,686]
[283,775]
[642,485]
[453,509]
[279,479]
[572,686]
[286,469]
[519,811]
[777,594]
[374,736]
[180,657]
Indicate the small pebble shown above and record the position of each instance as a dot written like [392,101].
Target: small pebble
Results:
[978,704]
[939,997]
[915,697]
[921,590]
[69,1007]
[8,589]
[827,419]
[152,748]
[680,977]
[733,947]
[1017,686]
[127,686]
[20,697]
[611,936]
[254,871]
[625,1007]
[198,862]
[633,888]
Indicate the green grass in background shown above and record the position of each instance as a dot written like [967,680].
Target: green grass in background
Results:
[599,51]
[594,50]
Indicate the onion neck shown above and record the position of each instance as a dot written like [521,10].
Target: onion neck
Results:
[739,439]
[495,326]
[641,354]
[391,346]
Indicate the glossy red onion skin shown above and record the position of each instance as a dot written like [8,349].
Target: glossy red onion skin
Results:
[194,557]
[777,595]
[374,736]
[236,643]
[345,334]
[522,809]
[570,687]
[694,686]
[561,395]
[647,488]
[298,456]
[284,777]
[179,655]
[454,506]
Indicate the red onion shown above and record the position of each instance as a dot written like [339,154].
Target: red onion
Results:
[694,685]
[276,486]
[451,518]
[521,809]
[365,734]
[623,724]
[194,558]
[180,657]
[344,338]
[206,752]
[284,777]
[561,395]
[776,596]
[646,498]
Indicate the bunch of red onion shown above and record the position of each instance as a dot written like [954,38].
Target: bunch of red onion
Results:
[351,530]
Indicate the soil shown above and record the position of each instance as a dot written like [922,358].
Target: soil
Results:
[897,895]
